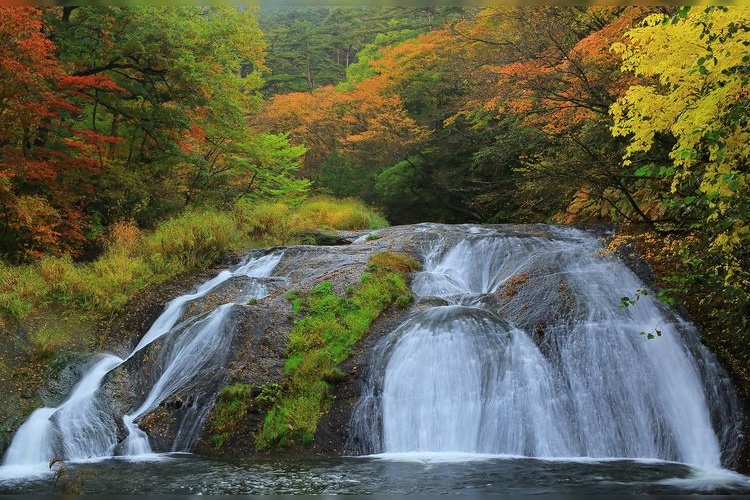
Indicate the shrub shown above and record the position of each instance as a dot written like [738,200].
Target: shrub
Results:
[327,212]
[116,277]
[68,283]
[193,240]
[393,262]
[270,223]
[21,289]
[123,236]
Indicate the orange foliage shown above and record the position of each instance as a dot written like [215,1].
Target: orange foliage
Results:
[42,153]
[542,69]
[363,122]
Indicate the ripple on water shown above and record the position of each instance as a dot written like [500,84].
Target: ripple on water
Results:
[425,474]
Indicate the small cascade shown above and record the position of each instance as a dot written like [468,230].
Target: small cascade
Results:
[194,353]
[32,445]
[80,424]
[519,348]
[81,429]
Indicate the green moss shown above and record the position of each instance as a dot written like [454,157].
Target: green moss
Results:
[321,339]
[228,412]
[405,300]
[232,405]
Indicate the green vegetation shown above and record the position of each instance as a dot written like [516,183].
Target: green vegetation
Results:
[322,338]
[331,213]
[314,46]
[133,259]
[230,408]
[232,405]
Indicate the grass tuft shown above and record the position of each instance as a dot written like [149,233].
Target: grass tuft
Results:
[228,412]
[232,406]
[350,213]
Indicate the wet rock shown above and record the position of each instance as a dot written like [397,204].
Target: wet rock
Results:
[630,256]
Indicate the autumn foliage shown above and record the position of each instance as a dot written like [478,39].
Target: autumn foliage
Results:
[625,114]
[125,113]
[47,162]
[360,122]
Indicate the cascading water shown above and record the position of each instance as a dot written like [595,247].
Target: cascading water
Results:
[519,348]
[80,429]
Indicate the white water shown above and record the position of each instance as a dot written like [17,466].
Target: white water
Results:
[31,449]
[468,376]
[466,380]
[194,351]
[83,432]
[79,429]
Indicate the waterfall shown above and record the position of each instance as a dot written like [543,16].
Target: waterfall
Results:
[194,352]
[519,348]
[81,429]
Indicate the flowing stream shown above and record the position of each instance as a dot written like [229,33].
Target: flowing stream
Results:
[80,429]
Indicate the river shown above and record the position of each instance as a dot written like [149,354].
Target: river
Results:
[186,474]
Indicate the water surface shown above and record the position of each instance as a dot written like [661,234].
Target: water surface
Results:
[185,474]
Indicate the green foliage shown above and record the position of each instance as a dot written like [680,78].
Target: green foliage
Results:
[21,289]
[662,296]
[321,339]
[340,176]
[49,340]
[269,222]
[405,300]
[190,241]
[393,263]
[314,46]
[132,259]
[269,395]
[181,82]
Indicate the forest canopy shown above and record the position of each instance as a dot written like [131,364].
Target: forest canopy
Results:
[630,115]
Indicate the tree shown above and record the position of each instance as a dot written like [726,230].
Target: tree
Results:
[258,167]
[183,69]
[552,68]
[312,47]
[361,123]
[700,99]
[48,164]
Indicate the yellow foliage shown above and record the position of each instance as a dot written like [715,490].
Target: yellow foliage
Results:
[688,102]
[328,212]
[698,95]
